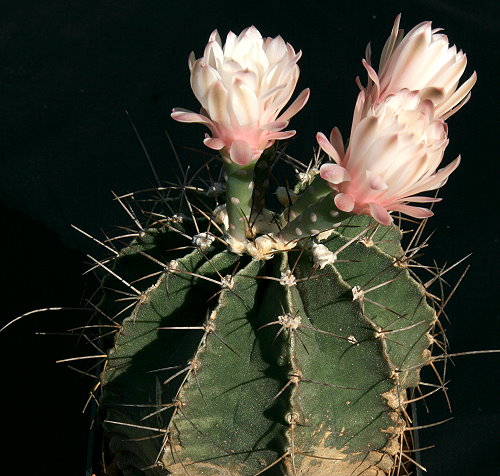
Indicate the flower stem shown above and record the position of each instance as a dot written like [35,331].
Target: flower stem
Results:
[239,188]
[318,189]
[316,217]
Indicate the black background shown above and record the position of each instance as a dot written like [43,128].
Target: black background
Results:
[69,70]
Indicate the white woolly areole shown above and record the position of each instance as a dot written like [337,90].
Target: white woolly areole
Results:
[287,279]
[289,321]
[306,178]
[353,340]
[322,256]
[220,216]
[227,282]
[263,247]
[357,293]
[325,234]
[203,240]
[236,246]
[172,266]
[177,218]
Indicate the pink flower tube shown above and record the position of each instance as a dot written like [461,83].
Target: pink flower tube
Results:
[422,61]
[242,86]
[393,155]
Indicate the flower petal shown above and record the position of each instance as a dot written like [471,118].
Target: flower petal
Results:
[344,202]
[327,147]
[392,41]
[380,214]
[415,212]
[420,199]
[213,142]
[217,103]
[183,115]
[275,126]
[437,180]
[334,173]
[241,153]
[191,60]
[244,103]
[372,74]
[213,54]
[296,106]
[280,135]
[202,79]
[375,181]
[337,141]
[458,99]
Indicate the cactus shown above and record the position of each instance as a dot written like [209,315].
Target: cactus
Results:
[224,364]
[253,342]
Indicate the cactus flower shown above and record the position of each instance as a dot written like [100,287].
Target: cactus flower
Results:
[393,155]
[423,61]
[242,86]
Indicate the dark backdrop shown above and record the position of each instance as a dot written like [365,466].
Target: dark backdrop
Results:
[69,70]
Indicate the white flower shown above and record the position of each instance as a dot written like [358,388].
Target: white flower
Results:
[393,154]
[423,61]
[242,86]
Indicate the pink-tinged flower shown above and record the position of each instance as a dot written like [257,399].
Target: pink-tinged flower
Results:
[242,86]
[421,61]
[393,154]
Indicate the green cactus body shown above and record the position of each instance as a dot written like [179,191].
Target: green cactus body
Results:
[227,365]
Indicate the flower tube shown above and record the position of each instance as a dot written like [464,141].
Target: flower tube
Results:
[393,155]
[242,86]
[422,60]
